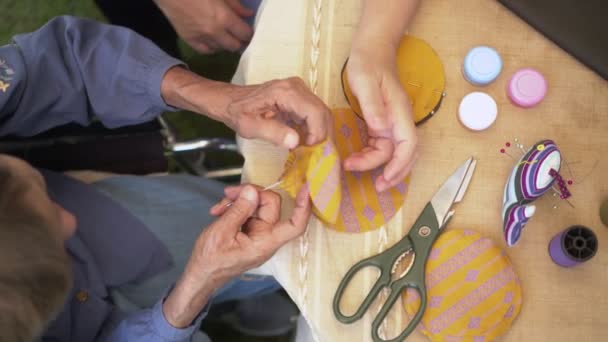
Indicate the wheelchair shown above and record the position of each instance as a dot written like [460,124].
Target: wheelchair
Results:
[149,148]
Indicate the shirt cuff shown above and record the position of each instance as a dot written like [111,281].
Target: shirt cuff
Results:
[159,64]
[171,333]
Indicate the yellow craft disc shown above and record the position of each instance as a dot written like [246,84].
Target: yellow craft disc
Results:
[421,74]
[473,292]
[344,201]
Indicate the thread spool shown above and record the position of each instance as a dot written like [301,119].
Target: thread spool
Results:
[573,246]
[604,212]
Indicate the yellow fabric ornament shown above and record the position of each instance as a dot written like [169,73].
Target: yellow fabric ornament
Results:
[421,74]
[344,201]
[319,164]
[473,292]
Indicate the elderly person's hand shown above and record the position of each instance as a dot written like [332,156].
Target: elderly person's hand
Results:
[386,108]
[267,111]
[209,25]
[246,234]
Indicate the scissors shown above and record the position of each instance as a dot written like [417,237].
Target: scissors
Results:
[417,242]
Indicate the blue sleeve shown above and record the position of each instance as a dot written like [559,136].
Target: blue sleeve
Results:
[78,70]
[150,325]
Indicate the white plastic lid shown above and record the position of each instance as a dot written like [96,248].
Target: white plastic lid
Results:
[477,111]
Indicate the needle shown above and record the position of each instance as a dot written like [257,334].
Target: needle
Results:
[270,187]
[273,185]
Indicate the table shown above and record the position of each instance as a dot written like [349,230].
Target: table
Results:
[559,304]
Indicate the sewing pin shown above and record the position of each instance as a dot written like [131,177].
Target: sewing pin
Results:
[503,151]
[556,192]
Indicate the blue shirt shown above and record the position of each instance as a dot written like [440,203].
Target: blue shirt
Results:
[76,70]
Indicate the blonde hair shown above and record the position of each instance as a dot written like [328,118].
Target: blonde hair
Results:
[35,273]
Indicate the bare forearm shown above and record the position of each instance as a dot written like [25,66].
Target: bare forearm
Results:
[188,298]
[385,21]
[184,89]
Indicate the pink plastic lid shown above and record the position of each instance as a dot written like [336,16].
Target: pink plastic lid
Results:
[527,88]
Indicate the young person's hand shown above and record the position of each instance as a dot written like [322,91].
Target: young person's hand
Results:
[386,108]
[373,79]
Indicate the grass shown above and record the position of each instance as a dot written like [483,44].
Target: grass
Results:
[20,16]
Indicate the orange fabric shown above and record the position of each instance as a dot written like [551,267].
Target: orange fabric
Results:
[345,201]
[421,75]
[473,292]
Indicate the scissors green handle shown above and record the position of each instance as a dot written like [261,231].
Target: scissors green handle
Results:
[419,241]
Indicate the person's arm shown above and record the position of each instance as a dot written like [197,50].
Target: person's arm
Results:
[246,234]
[209,25]
[384,22]
[154,325]
[372,76]
[76,70]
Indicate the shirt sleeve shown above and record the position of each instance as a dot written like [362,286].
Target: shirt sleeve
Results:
[78,70]
[150,325]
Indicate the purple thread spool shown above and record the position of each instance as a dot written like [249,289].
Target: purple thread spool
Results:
[573,246]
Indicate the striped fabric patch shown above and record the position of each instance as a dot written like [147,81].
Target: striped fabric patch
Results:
[344,201]
[473,291]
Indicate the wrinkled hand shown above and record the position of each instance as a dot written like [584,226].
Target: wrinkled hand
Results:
[248,232]
[264,111]
[372,77]
[267,111]
[209,25]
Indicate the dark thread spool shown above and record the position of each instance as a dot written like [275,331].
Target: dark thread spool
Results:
[604,212]
[573,246]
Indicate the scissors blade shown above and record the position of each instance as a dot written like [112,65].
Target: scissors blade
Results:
[466,181]
[453,190]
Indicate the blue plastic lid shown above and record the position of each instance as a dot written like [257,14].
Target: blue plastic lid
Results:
[482,65]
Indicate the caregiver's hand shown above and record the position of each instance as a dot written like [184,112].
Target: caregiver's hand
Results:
[209,25]
[372,77]
[267,111]
[246,234]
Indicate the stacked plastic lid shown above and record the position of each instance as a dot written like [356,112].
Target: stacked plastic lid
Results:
[527,88]
[482,65]
[477,111]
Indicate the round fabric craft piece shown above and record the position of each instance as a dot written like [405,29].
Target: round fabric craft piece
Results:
[527,88]
[477,111]
[473,292]
[345,201]
[482,65]
[421,74]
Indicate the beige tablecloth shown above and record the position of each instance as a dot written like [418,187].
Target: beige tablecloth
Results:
[311,39]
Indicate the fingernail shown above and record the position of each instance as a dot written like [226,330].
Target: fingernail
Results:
[249,194]
[347,166]
[291,140]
